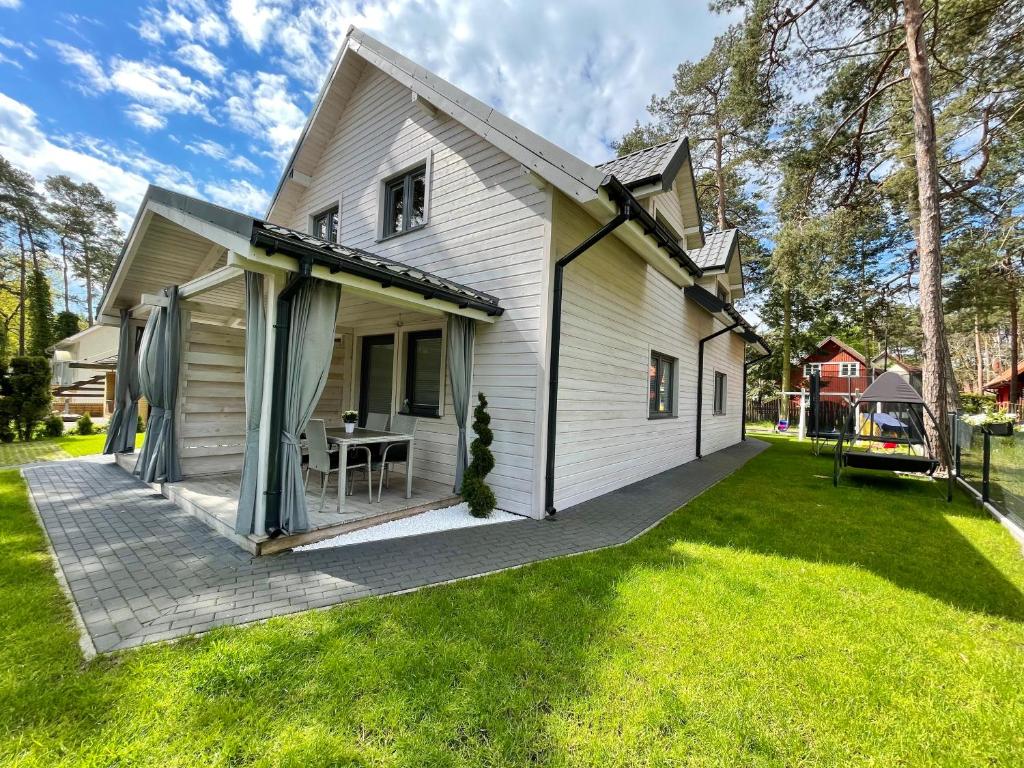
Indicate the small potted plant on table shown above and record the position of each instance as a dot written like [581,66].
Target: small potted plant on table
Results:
[996,423]
[350,418]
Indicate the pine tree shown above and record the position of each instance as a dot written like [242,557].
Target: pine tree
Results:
[40,321]
[66,324]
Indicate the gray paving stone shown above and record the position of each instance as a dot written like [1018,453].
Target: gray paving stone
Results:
[141,570]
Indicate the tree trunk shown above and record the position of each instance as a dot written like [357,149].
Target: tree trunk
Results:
[979,364]
[719,175]
[935,349]
[1014,345]
[67,279]
[22,266]
[87,269]
[787,350]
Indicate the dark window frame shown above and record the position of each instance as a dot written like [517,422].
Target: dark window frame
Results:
[720,400]
[408,395]
[364,372]
[657,361]
[406,182]
[332,237]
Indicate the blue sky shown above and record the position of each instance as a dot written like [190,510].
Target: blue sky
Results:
[209,96]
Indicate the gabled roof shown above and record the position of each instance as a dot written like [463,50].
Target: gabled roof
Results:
[649,165]
[878,360]
[1003,378]
[576,178]
[718,251]
[841,344]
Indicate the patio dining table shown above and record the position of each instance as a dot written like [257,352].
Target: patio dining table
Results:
[345,440]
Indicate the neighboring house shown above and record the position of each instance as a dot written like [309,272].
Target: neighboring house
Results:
[911,372]
[843,369]
[1000,385]
[430,208]
[83,371]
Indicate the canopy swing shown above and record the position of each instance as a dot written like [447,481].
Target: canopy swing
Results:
[892,412]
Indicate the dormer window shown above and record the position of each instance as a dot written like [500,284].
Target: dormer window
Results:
[325,225]
[405,200]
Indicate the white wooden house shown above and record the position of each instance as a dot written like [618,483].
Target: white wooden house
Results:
[595,297]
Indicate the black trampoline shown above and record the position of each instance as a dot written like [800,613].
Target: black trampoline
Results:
[891,437]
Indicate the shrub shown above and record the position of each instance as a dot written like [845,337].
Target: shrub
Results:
[476,493]
[140,425]
[972,402]
[6,433]
[27,389]
[53,426]
[84,423]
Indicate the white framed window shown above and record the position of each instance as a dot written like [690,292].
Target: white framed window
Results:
[849,370]
[721,393]
[325,225]
[661,386]
[811,368]
[404,199]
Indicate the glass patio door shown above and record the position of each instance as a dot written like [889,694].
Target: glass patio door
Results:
[376,375]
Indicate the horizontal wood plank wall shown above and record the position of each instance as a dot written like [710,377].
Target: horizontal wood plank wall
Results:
[616,311]
[486,228]
[725,355]
[334,401]
[212,399]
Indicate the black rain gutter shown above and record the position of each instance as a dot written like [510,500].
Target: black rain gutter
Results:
[700,377]
[743,413]
[386,277]
[626,212]
[282,324]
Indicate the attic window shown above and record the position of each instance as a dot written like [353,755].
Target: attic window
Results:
[405,201]
[325,225]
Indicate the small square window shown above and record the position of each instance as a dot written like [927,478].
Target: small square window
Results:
[661,385]
[405,201]
[325,225]
[721,391]
[849,370]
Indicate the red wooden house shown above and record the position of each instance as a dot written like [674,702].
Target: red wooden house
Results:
[1001,384]
[844,370]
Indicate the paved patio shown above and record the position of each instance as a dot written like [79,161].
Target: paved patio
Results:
[141,570]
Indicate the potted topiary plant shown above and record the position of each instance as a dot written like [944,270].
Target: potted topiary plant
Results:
[475,491]
[350,418]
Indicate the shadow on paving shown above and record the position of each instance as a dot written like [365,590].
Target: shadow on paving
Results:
[898,528]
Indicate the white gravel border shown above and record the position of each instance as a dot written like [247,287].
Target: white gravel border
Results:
[431,521]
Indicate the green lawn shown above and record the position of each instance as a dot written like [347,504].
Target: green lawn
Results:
[773,621]
[50,449]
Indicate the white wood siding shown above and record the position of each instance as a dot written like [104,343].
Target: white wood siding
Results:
[487,228]
[211,399]
[616,311]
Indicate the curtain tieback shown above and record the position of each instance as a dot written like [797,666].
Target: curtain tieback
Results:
[287,438]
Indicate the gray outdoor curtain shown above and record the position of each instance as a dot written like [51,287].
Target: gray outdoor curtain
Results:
[159,361]
[255,357]
[314,315]
[125,420]
[461,331]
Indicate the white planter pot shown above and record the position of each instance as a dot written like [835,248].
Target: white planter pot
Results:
[350,427]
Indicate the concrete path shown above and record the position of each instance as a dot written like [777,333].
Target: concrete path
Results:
[139,570]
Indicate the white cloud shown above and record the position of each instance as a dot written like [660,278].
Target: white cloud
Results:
[253,19]
[85,62]
[264,109]
[209,148]
[10,3]
[25,50]
[201,60]
[145,118]
[24,143]
[242,163]
[159,86]
[4,59]
[239,195]
[188,19]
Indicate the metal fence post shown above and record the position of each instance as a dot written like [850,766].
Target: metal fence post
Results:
[986,462]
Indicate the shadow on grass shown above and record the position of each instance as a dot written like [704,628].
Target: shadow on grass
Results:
[900,528]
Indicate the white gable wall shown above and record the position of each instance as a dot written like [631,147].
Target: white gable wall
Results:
[487,228]
[616,310]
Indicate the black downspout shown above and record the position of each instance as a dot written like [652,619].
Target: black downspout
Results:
[272,523]
[623,216]
[700,378]
[743,419]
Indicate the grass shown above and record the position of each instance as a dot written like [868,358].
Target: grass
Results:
[54,448]
[773,621]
